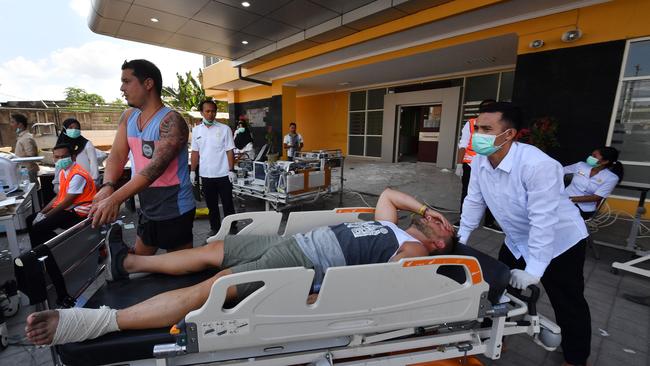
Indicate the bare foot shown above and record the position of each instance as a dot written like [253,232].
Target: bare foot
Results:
[41,326]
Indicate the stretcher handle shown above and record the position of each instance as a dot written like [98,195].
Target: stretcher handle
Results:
[530,300]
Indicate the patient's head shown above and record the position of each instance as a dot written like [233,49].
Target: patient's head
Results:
[437,238]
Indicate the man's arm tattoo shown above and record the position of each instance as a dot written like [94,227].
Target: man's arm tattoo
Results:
[173,138]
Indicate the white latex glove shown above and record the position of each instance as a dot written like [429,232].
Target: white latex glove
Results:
[521,279]
[459,170]
[193,177]
[39,217]
[232,176]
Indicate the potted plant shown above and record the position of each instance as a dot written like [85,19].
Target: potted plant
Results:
[542,133]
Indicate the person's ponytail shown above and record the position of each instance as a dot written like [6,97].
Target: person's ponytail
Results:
[611,154]
[617,168]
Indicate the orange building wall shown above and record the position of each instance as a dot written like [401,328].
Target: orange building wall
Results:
[322,121]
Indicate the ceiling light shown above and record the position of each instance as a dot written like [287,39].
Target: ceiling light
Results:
[245,4]
[536,43]
[155,20]
[345,83]
[244,42]
[572,35]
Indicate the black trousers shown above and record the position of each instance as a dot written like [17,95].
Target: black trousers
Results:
[213,189]
[467,170]
[44,229]
[564,283]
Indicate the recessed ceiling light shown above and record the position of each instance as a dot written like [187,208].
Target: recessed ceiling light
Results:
[244,42]
[155,20]
[345,83]
[245,4]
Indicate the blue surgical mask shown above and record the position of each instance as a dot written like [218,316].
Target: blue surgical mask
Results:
[64,163]
[208,123]
[484,144]
[17,130]
[73,132]
[241,129]
[593,162]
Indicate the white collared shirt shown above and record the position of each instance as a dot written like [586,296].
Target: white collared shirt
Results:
[601,184]
[525,193]
[212,143]
[76,184]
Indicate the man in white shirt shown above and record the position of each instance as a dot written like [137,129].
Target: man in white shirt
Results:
[292,142]
[545,235]
[212,152]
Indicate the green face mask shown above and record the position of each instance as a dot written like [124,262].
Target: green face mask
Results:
[73,132]
[593,162]
[64,163]
[208,123]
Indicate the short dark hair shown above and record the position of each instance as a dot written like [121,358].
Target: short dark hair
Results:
[511,114]
[293,124]
[63,145]
[207,101]
[143,70]
[20,119]
[484,103]
[450,245]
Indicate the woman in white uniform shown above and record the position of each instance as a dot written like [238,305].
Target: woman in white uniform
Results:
[82,148]
[594,179]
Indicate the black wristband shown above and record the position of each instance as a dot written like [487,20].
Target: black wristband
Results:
[107,184]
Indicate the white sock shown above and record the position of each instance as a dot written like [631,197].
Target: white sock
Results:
[80,324]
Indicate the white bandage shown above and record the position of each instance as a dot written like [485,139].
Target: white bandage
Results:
[79,324]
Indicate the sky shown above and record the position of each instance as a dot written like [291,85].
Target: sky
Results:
[47,47]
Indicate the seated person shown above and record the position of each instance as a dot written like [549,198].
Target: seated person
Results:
[345,244]
[71,204]
[594,179]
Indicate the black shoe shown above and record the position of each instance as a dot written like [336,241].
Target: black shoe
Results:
[493,227]
[118,251]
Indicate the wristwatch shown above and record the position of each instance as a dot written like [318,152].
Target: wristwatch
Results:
[109,184]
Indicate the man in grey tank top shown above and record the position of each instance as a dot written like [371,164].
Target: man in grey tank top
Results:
[346,244]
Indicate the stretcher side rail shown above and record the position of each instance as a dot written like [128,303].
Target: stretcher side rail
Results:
[353,300]
[59,271]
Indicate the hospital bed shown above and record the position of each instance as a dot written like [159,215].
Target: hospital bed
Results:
[406,312]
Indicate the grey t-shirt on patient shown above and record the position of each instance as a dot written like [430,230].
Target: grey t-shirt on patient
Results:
[347,244]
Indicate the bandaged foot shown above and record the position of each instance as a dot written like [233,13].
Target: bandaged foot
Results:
[70,325]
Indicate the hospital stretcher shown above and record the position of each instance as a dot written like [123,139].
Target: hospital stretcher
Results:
[400,313]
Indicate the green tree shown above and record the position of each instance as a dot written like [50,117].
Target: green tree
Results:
[81,96]
[188,95]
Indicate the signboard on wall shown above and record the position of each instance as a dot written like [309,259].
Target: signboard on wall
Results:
[256,116]
[429,136]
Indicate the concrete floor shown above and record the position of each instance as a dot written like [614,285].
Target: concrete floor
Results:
[621,329]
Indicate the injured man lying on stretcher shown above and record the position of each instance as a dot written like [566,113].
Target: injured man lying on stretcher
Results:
[346,244]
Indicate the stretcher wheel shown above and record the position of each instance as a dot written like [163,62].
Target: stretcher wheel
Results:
[9,305]
[4,340]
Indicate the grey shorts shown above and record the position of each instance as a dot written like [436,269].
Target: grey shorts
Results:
[243,253]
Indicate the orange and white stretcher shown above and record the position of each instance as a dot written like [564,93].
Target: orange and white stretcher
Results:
[413,311]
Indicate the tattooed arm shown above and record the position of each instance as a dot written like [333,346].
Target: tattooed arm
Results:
[173,138]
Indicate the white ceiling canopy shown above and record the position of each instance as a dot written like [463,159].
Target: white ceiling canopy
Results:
[229,29]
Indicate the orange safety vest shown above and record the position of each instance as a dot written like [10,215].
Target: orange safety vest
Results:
[469,152]
[81,204]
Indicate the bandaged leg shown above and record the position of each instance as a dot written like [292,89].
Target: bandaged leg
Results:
[79,324]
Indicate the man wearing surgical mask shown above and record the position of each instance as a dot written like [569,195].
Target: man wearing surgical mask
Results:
[71,204]
[212,154]
[545,235]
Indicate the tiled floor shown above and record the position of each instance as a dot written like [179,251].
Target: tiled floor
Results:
[620,329]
